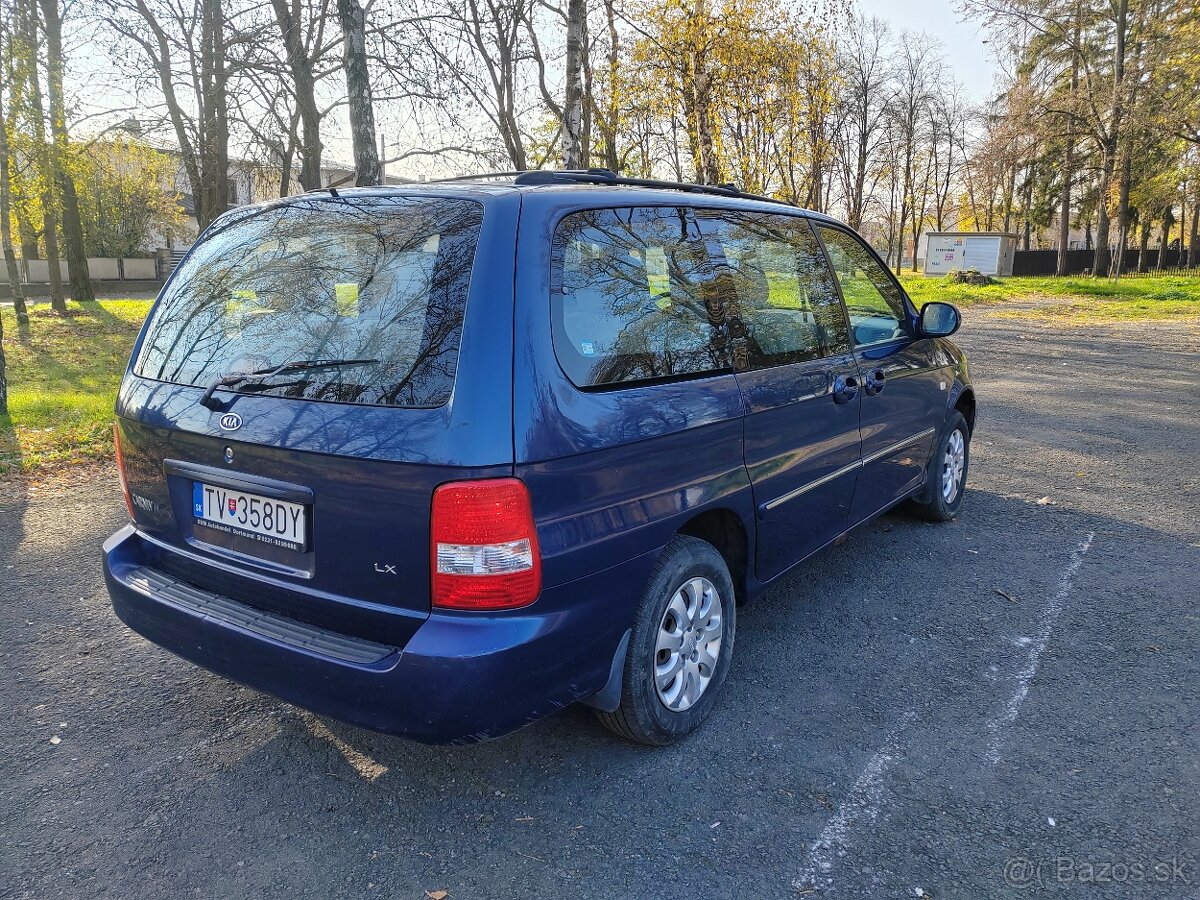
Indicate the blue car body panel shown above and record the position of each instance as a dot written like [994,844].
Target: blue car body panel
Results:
[613,475]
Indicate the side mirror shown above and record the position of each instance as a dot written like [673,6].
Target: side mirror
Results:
[939,319]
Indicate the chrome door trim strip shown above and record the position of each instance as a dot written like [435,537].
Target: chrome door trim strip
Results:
[812,485]
[846,470]
[899,445]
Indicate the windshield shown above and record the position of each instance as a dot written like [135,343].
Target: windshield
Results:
[382,280]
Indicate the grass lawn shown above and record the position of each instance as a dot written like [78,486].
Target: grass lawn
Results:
[62,382]
[1093,299]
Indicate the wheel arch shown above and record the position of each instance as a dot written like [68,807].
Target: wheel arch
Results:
[724,529]
[965,404]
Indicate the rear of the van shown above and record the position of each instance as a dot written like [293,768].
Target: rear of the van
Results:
[315,440]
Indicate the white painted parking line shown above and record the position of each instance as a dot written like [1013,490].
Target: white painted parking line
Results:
[1024,675]
[861,807]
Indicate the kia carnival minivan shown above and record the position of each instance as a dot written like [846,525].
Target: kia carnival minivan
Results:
[439,460]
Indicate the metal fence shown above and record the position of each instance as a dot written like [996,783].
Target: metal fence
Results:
[1079,262]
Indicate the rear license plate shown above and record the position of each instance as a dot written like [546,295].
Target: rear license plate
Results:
[278,523]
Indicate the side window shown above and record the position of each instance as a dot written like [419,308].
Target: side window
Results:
[632,297]
[785,292]
[876,307]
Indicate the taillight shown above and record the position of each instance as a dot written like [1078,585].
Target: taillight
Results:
[484,546]
[121,468]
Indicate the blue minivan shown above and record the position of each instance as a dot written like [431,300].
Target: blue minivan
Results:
[441,459]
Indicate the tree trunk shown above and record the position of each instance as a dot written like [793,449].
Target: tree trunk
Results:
[304,84]
[1062,267]
[609,129]
[72,227]
[1010,192]
[49,200]
[1166,236]
[214,142]
[1103,259]
[166,82]
[709,169]
[3,374]
[1144,245]
[6,240]
[1126,181]
[1193,254]
[572,130]
[367,170]
[1027,203]
[587,112]
[860,171]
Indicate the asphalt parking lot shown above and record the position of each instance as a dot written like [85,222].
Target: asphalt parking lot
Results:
[1005,706]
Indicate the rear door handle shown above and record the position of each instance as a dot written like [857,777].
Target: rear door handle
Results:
[874,382]
[845,388]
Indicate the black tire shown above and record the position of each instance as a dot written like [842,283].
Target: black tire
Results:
[932,504]
[643,716]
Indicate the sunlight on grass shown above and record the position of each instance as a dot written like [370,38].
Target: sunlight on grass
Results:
[62,381]
[1097,299]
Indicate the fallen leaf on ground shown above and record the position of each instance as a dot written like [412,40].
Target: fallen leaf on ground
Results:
[1007,596]
[437,895]
[1044,501]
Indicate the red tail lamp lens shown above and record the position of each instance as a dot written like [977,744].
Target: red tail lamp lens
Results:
[484,545]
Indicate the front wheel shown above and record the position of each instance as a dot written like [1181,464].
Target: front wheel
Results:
[680,646]
[947,472]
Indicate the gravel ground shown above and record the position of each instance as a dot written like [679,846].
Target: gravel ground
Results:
[1003,706]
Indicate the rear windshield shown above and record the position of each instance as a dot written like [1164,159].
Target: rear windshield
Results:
[377,288]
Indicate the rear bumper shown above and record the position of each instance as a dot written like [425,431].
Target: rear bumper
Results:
[462,678]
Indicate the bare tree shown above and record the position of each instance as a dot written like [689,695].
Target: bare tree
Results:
[916,71]
[303,50]
[861,132]
[572,120]
[6,238]
[36,114]
[358,90]
[186,45]
[72,227]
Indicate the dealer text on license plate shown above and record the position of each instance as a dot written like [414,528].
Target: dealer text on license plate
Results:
[278,523]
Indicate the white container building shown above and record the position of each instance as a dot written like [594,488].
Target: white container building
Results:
[988,252]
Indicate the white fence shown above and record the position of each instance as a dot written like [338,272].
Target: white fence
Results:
[37,271]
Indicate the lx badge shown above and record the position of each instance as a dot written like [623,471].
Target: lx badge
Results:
[385,569]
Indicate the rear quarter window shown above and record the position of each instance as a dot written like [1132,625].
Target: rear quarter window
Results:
[633,297]
[383,281]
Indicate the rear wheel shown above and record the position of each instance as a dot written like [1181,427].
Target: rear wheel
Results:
[947,472]
[680,646]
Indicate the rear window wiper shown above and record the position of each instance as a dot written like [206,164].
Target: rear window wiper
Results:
[235,378]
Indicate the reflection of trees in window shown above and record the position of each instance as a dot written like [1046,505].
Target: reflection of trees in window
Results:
[640,281]
[781,285]
[384,280]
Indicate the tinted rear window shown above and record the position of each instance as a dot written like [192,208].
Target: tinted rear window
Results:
[383,280]
[633,297]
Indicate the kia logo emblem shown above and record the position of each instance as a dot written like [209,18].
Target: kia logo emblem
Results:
[231,422]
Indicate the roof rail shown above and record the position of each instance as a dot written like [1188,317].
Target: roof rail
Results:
[477,176]
[608,176]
